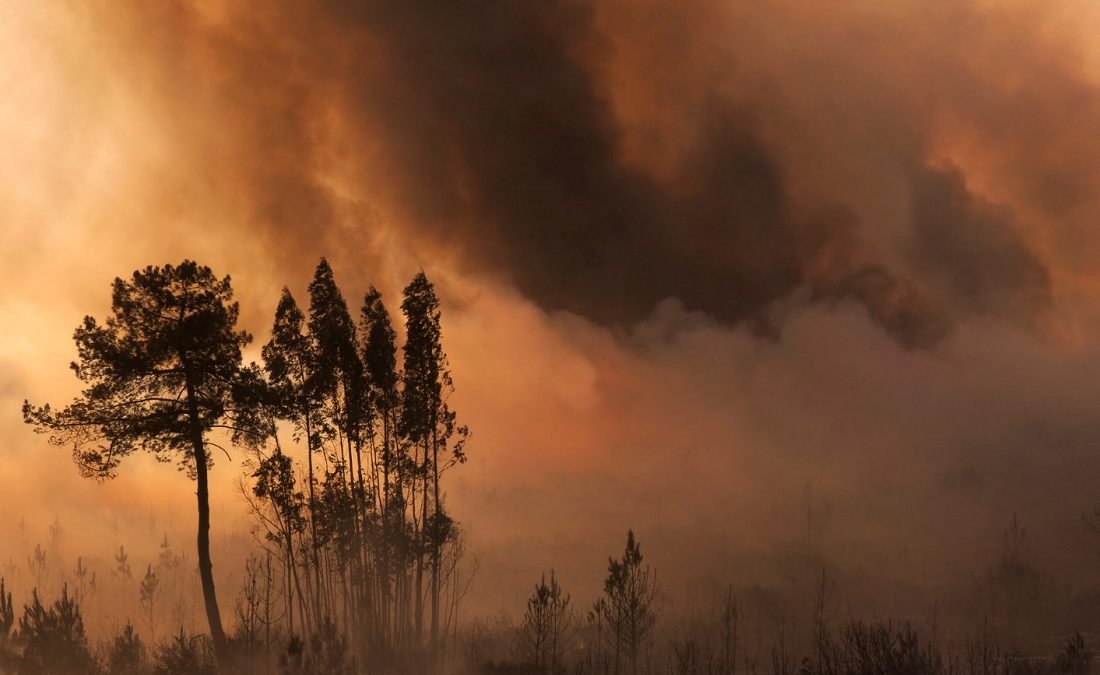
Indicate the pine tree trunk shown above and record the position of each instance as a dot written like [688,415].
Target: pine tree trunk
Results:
[202,493]
[206,567]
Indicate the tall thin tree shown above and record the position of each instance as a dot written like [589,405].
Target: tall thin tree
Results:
[288,362]
[631,592]
[545,627]
[429,423]
[336,379]
[379,354]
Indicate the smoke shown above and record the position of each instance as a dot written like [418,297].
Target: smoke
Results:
[528,143]
[897,196]
[969,247]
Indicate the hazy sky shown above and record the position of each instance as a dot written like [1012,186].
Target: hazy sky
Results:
[702,264]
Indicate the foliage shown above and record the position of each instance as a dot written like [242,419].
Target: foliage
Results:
[160,373]
[53,638]
[126,654]
[7,613]
[162,366]
[630,591]
[546,624]
[185,655]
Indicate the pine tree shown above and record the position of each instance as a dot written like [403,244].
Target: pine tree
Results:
[126,654]
[162,372]
[546,624]
[54,642]
[148,594]
[631,592]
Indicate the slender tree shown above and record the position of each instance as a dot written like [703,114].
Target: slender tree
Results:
[275,485]
[161,373]
[376,526]
[429,423]
[337,373]
[337,380]
[288,364]
[631,592]
[148,593]
[729,622]
[379,355]
[546,624]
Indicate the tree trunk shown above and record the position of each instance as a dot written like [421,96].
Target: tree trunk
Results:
[419,600]
[436,541]
[202,492]
[206,568]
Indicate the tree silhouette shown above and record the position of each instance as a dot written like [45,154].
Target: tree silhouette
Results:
[428,422]
[53,638]
[631,592]
[336,375]
[336,384]
[546,624]
[7,614]
[275,485]
[288,362]
[379,354]
[162,372]
[126,653]
[148,594]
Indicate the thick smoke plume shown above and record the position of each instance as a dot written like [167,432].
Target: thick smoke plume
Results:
[526,141]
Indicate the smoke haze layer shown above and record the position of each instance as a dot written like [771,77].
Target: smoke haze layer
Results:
[701,263]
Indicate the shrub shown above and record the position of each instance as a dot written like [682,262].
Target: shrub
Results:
[186,655]
[126,654]
[53,639]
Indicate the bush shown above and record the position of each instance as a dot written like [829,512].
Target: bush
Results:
[186,655]
[126,655]
[53,639]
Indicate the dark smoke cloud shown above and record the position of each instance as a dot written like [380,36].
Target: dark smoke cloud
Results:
[491,131]
[510,150]
[972,249]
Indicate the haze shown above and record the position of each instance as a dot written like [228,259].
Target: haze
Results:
[705,268]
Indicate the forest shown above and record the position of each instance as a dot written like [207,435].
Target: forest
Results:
[358,566]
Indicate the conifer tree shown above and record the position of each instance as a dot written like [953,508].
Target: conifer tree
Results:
[54,642]
[161,374]
[546,624]
[631,592]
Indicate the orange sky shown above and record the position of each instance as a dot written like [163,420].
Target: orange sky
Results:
[700,264]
